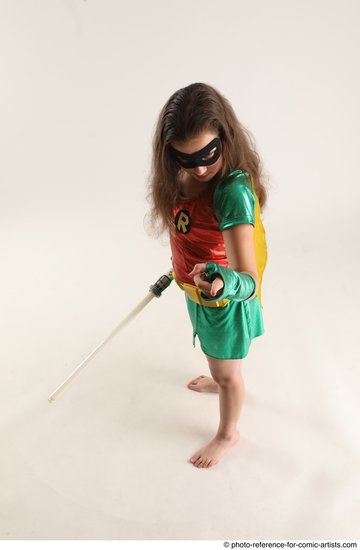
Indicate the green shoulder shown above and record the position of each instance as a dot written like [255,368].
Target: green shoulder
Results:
[234,200]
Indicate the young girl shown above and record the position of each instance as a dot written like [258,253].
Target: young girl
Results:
[206,191]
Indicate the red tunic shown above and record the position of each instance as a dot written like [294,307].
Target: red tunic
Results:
[196,236]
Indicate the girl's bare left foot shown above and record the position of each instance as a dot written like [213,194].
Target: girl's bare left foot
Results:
[203,384]
[212,453]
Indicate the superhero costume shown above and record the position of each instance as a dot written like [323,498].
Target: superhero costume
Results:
[226,324]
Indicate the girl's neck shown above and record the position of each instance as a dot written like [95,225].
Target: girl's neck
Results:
[190,188]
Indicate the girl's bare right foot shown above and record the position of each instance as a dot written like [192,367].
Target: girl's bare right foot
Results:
[204,384]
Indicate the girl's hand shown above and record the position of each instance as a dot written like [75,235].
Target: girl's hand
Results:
[210,290]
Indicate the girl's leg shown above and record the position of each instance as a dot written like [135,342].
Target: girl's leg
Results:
[227,374]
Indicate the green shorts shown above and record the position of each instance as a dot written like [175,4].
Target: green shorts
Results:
[226,332]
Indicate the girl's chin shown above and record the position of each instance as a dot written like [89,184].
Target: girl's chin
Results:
[205,177]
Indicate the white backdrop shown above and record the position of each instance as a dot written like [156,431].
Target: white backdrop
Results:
[82,84]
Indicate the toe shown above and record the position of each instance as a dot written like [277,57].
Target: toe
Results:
[194,381]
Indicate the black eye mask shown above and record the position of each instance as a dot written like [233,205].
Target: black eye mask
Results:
[197,159]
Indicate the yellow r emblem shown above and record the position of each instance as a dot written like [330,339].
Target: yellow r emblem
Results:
[182,221]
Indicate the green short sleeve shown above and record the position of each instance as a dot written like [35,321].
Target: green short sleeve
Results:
[234,201]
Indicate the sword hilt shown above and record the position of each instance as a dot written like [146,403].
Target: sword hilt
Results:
[161,284]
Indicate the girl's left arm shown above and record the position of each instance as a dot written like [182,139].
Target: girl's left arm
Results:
[239,244]
[240,250]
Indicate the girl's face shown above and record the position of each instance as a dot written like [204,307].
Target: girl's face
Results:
[193,145]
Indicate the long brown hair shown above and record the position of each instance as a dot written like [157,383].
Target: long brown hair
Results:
[188,112]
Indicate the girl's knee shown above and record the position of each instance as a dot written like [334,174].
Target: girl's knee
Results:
[230,381]
[226,372]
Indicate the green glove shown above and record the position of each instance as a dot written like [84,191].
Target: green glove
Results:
[237,286]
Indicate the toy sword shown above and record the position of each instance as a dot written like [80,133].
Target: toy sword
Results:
[155,290]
